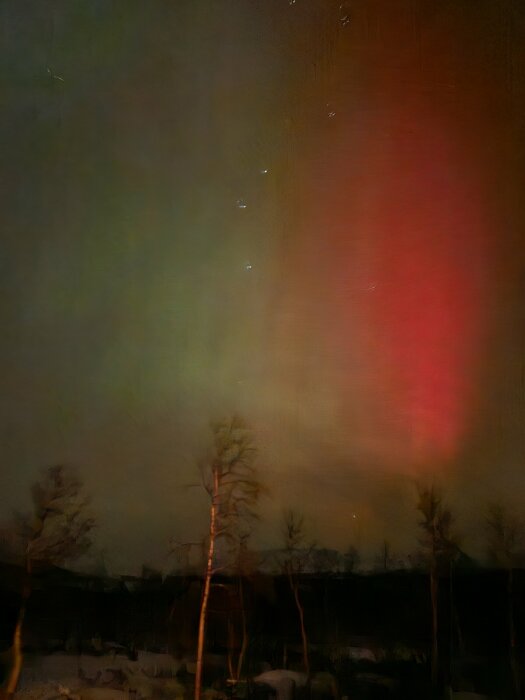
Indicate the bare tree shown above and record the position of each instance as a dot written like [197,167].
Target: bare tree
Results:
[296,557]
[56,531]
[351,559]
[384,558]
[244,562]
[505,540]
[231,482]
[324,560]
[439,547]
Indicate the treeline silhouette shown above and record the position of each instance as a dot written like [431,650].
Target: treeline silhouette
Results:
[439,610]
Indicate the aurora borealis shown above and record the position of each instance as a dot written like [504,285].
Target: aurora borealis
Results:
[260,206]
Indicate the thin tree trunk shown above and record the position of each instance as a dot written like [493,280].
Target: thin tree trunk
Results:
[434,601]
[16,666]
[451,650]
[512,632]
[244,643]
[455,624]
[231,644]
[235,673]
[456,634]
[306,660]
[207,583]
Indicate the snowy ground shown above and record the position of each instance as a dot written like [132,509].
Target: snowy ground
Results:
[106,677]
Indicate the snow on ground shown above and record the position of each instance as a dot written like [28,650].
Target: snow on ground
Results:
[105,677]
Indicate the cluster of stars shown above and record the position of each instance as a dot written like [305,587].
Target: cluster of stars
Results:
[344,19]
[241,204]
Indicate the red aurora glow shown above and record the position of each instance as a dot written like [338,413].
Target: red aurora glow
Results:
[385,323]
[426,254]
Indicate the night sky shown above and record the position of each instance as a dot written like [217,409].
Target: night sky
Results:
[309,212]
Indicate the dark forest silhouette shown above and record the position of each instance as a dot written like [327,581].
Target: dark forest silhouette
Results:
[216,602]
